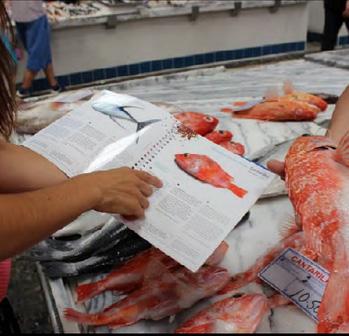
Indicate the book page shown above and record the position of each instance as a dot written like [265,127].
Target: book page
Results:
[207,190]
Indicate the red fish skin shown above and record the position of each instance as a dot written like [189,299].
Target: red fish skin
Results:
[318,188]
[166,295]
[308,98]
[234,315]
[240,280]
[219,136]
[209,171]
[138,270]
[198,122]
[234,147]
[280,110]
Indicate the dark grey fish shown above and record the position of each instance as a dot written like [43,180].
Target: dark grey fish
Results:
[75,250]
[115,111]
[104,261]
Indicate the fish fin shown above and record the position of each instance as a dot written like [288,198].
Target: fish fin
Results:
[73,315]
[143,124]
[87,291]
[288,227]
[239,192]
[342,152]
[288,87]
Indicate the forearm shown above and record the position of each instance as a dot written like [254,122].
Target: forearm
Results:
[23,170]
[27,218]
[340,120]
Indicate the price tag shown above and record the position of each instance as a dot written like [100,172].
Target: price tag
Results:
[299,279]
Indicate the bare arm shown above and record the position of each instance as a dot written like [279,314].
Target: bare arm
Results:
[23,170]
[26,218]
[340,119]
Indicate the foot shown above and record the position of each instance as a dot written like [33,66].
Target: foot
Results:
[23,93]
[57,88]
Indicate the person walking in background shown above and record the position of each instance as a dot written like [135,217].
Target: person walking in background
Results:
[336,12]
[34,32]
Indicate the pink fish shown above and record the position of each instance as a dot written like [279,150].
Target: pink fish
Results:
[239,314]
[198,122]
[219,136]
[209,171]
[164,296]
[234,147]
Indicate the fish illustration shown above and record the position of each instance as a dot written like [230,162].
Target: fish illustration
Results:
[209,171]
[164,296]
[119,112]
[198,122]
[280,109]
[317,177]
[234,147]
[131,275]
[241,313]
[219,136]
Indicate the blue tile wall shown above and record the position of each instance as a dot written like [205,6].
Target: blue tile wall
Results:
[177,62]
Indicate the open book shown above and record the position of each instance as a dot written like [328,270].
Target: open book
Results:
[206,191]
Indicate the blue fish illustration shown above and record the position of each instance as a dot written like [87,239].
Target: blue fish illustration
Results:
[120,112]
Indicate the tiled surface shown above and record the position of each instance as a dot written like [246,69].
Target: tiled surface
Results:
[170,63]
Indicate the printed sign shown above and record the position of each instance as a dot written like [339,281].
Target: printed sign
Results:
[299,279]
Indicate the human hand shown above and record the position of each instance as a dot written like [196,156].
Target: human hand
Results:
[123,191]
[277,167]
[346,11]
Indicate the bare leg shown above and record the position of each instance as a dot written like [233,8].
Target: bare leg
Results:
[28,78]
[50,75]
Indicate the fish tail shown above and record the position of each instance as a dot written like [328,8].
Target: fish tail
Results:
[76,316]
[88,291]
[144,124]
[237,190]
[334,309]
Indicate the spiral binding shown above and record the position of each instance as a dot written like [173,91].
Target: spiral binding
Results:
[146,159]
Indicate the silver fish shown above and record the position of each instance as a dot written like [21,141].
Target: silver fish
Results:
[104,261]
[74,250]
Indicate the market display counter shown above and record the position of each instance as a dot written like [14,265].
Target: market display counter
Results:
[132,40]
[207,91]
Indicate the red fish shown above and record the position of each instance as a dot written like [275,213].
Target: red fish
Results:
[219,136]
[198,122]
[209,171]
[239,314]
[133,273]
[280,109]
[164,296]
[234,147]
[317,177]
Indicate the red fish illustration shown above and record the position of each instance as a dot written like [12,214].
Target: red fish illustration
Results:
[234,147]
[198,122]
[209,171]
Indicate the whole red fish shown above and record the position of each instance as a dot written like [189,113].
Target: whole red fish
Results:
[280,109]
[317,178]
[198,122]
[209,171]
[219,136]
[239,314]
[234,147]
[141,268]
[164,296]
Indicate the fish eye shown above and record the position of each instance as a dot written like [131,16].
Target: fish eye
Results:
[210,119]
[237,295]
[186,154]
[221,132]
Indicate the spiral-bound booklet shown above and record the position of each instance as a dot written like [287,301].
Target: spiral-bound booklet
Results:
[207,189]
